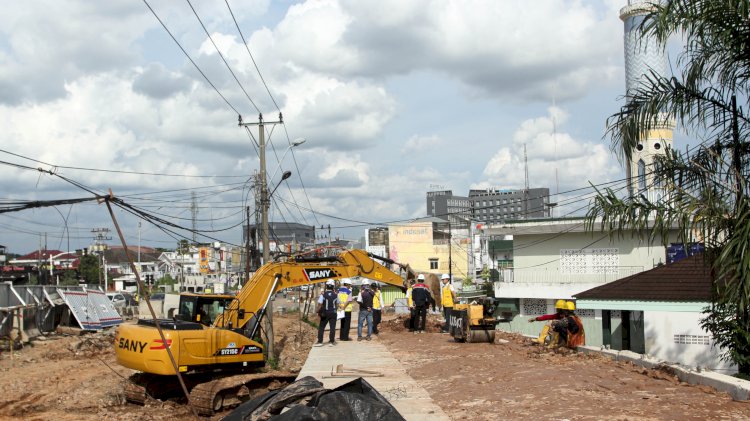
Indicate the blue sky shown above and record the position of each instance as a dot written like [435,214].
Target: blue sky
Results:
[390,96]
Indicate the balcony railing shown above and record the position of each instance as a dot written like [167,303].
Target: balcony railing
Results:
[595,275]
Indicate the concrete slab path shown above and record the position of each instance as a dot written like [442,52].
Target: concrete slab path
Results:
[411,400]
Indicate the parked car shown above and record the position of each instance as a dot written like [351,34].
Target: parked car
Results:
[121,299]
[157,296]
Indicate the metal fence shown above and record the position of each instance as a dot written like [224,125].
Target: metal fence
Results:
[28,311]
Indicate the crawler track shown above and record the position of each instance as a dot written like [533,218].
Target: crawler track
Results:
[208,394]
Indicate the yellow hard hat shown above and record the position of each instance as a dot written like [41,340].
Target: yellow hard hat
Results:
[570,306]
[560,305]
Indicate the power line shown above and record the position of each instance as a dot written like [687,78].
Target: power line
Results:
[222,56]
[190,58]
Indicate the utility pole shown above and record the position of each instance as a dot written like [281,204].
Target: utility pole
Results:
[248,254]
[264,205]
[194,216]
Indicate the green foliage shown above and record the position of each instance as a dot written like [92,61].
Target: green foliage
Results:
[310,322]
[707,186]
[273,363]
[488,288]
[166,280]
[89,269]
[485,273]
[69,278]
[467,282]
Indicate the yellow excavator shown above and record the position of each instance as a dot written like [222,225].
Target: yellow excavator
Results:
[215,339]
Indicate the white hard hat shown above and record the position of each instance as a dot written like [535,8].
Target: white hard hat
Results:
[346,282]
[420,277]
[365,282]
[330,282]
[445,276]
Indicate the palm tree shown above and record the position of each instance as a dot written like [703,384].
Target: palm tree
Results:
[707,185]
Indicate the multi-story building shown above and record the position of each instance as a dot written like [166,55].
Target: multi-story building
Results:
[489,205]
[430,245]
[443,204]
[496,205]
[282,235]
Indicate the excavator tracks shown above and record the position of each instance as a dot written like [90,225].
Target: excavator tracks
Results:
[207,395]
[212,396]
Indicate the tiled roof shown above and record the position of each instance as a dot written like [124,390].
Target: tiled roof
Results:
[44,255]
[685,280]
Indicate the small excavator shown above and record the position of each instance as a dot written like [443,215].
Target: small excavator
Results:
[216,341]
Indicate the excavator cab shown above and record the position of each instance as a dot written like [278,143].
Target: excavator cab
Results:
[202,308]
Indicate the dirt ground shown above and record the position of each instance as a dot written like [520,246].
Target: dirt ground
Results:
[70,377]
[515,380]
[67,377]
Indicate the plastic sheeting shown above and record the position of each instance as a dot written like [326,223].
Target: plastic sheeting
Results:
[307,400]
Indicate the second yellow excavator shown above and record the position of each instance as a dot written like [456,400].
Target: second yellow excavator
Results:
[220,359]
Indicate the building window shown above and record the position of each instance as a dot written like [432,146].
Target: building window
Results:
[433,264]
[692,340]
[641,175]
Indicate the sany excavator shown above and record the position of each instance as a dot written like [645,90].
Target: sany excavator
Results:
[220,360]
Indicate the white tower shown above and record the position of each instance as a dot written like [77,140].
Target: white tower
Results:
[642,56]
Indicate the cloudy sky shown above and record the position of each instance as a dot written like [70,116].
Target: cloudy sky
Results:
[392,97]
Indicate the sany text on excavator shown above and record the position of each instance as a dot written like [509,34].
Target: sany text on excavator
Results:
[218,359]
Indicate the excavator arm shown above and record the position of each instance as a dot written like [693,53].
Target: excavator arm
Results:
[250,304]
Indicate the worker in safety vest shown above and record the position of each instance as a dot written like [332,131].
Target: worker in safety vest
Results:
[447,298]
[574,334]
[560,308]
[345,304]
[377,308]
[410,303]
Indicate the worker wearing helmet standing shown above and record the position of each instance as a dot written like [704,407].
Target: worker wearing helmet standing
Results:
[377,307]
[447,298]
[327,304]
[421,297]
[345,304]
[560,308]
[410,303]
[365,310]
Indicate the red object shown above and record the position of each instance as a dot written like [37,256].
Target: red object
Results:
[548,317]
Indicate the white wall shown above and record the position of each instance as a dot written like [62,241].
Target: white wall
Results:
[661,328]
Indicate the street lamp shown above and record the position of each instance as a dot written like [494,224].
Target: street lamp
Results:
[284,176]
[295,143]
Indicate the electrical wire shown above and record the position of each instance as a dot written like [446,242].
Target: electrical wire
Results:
[191,59]
[222,56]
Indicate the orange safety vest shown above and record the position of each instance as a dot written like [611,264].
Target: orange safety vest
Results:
[579,338]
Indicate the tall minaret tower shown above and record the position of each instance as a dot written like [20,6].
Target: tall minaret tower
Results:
[641,57]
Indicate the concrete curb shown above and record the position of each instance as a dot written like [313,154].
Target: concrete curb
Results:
[738,389]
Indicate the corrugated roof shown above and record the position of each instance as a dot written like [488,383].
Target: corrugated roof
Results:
[686,280]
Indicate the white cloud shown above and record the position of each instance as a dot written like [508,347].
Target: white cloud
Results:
[553,157]
[420,143]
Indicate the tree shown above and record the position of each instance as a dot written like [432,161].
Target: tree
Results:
[88,268]
[708,185]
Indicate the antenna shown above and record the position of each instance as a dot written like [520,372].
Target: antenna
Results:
[525,184]
[554,139]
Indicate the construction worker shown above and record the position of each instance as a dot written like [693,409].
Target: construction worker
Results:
[421,298]
[447,298]
[410,303]
[576,336]
[377,308]
[327,304]
[560,308]
[345,304]
[365,299]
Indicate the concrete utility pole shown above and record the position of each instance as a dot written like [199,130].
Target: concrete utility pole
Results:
[264,205]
